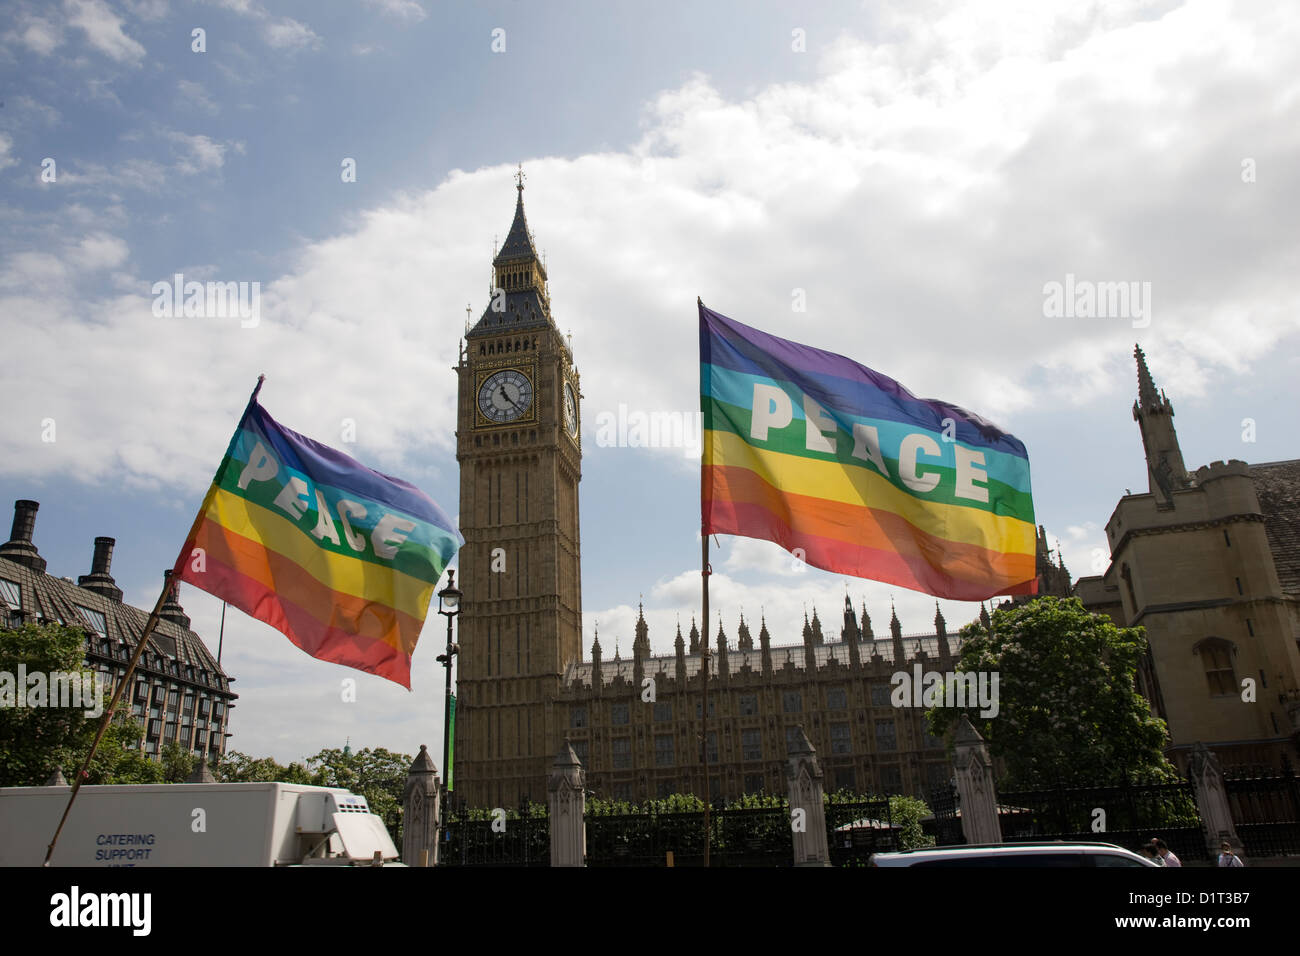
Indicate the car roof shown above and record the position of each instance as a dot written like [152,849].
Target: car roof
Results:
[1043,846]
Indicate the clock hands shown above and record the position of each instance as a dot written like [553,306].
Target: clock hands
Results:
[506,396]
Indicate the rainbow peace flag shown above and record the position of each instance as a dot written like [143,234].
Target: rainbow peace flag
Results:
[341,559]
[851,472]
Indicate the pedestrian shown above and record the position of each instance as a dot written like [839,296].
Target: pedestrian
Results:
[1227,857]
[1166,856]
[1149,852]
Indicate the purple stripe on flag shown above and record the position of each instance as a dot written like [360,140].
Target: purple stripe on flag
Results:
[836,382]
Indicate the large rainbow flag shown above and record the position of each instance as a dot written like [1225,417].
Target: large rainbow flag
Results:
[341,559]
[851,472]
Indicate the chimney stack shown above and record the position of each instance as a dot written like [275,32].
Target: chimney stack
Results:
[19,547]
[99,580]
[171,609]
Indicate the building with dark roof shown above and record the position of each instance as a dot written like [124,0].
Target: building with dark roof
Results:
[180,692]
[1209,563]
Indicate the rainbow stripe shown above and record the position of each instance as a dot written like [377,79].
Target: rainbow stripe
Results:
[852,472]
[341,559]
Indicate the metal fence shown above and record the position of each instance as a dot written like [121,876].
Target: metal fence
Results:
[482,838]
[1265,806]
[858,829]
[738,836]
[1126,814]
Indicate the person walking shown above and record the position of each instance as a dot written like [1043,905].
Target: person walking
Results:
[1167,857]
[1148,851]
[1227,857]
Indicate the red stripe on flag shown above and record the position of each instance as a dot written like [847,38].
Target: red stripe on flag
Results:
[320,640]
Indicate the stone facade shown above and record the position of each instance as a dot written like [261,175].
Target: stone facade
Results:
[1209,563]
[838,691]
[519,446]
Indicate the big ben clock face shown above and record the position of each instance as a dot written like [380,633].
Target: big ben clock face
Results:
[570,409]
[505,396]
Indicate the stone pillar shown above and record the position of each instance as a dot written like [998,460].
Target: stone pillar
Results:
[567,796]
[420,806]
[975,790]
[803,777]
[1212,800]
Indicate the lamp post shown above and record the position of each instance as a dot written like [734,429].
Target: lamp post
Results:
[449,606]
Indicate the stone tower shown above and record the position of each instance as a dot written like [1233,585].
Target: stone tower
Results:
[520,455]
[1206,563]
[1154,414]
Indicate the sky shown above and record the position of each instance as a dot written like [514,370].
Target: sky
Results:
[909,184]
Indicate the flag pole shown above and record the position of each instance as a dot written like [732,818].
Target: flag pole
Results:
[108,713]
[704,671]
[126,679]
[704,644]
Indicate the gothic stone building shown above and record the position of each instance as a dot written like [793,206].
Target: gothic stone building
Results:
[838,691]
[523,686]
[180,693]
[1209,563]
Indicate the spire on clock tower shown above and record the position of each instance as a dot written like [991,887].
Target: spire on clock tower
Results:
[519,297]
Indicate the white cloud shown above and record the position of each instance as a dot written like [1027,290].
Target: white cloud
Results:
[39,35]
[401,9]
[6,151]
[192,95]
[103,29]
[289,34]
[920,192]
[98,252]
[148,9]
[199,153]
[282,33]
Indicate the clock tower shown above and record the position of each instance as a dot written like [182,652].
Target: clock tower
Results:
[519,448]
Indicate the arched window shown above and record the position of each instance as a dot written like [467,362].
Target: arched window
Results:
[1216,657]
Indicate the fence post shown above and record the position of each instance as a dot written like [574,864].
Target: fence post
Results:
[420,811]
[975,788]
[803,776]
[566,794]
[1212,800]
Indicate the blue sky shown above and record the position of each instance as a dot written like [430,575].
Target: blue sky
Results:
[917,172]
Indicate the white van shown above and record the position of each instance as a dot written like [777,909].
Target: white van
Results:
[193,824]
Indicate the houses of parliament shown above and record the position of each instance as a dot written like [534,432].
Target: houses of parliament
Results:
[524,685]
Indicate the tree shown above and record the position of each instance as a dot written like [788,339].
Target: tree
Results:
[36,740]
[177,763]
[1067,704]
[236,767]
[379,775]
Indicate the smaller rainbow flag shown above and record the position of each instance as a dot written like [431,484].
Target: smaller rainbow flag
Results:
[854,474]
[342,559]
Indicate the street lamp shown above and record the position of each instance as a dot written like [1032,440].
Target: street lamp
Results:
[449,606]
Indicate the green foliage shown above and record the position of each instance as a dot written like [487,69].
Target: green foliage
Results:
[379,775]
[755,801]
[36,740]
[1068,708]
[177,763]
[237,767]
[909,811]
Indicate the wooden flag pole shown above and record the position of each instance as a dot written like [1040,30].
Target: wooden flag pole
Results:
[108,713]
[704,671]
[704,641]
[126,679]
